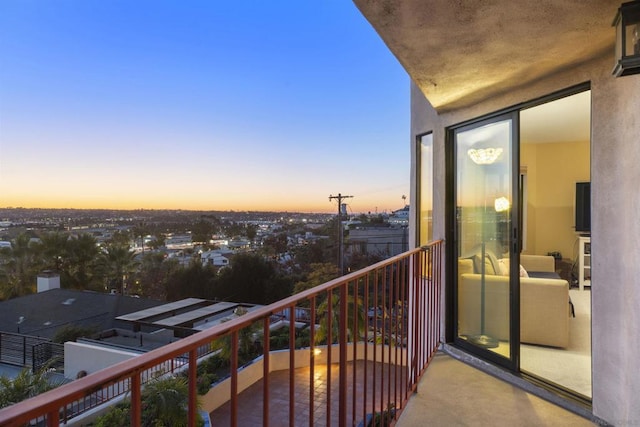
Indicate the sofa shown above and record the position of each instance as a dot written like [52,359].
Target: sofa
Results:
[545,309]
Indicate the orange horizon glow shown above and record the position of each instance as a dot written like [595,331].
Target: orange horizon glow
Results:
[128,205]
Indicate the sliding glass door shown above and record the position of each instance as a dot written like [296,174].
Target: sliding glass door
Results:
[485,238]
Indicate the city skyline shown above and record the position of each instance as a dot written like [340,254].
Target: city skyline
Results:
[199,106]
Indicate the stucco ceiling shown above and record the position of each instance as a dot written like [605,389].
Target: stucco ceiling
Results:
[461,51]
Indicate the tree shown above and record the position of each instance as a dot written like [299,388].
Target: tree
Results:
[195,280]
[52,250]
[320,273]
[164,404]
[353,331]
[251,279]
[72,332]
[202,231]
[20,268]
[153,275]
[117,263]
[140,231]
[83,255]
[251,231]
[276,244]
[320,251]
[158,241]
[119,238]
[25,385]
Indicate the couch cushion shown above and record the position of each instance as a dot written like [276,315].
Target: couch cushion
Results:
[491,265]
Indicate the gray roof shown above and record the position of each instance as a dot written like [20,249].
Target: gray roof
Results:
[43,313]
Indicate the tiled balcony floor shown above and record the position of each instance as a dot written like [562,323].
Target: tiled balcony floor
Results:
[451,393]
[250,400]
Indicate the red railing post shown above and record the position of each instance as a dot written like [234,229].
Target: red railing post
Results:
[312,361]
[329,337]
[266,338]
[234,378]
[193,389]
[342,373]
[53,419]
[136,399]
[292,365]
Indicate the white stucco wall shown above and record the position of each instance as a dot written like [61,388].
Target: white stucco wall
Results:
[615,228]
[90,358]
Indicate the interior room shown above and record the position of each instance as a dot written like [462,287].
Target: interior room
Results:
[554,164]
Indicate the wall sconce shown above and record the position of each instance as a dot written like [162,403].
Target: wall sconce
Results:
[627,23]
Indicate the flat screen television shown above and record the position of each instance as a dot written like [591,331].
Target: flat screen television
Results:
[583,207]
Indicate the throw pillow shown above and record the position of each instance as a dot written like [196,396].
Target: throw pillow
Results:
[504,268]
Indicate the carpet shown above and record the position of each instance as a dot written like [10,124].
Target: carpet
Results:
[570,367]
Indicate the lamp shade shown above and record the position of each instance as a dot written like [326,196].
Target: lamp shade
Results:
[484,156]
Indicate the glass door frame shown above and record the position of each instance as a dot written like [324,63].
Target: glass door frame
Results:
[512,362]
[451,313]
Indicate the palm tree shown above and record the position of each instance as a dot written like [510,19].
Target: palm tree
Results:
[165,402]
[52,249]
[353,332]
[20,268]
[83,255]
[25,385]
[117,262]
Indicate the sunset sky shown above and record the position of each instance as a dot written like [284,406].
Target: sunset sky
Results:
[244,105]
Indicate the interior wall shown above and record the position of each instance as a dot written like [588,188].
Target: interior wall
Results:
[529,161]
[552,172]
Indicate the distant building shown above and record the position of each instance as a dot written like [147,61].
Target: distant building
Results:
[400,217]
[42,314]
[385,241]
[214,258]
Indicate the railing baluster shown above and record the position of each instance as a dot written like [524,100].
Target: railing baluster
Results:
[193,390]
[312,362]
[266,338]
[342,372]
[329,337]
[383,332]
[292,365]
[375,339]
[234,378]
[355,336]
[366,345]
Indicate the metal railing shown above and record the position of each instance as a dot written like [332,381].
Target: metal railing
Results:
[29,351]
[373,332]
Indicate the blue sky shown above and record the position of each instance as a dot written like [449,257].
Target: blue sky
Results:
[199,105]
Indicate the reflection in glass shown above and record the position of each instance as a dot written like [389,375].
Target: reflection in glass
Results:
[426,188]
[483,201]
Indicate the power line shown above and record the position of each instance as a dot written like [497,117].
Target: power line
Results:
[340,197]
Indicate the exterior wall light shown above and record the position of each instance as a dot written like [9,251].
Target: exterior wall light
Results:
[627,23]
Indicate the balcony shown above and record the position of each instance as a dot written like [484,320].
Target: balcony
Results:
[370,336]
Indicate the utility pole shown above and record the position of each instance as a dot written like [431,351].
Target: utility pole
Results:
[339,197]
